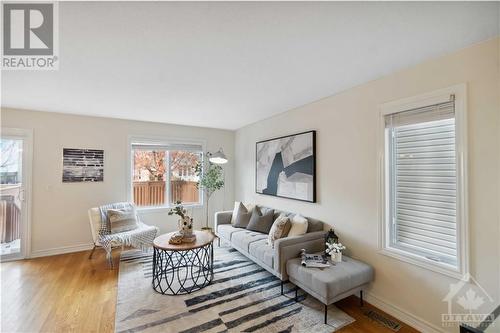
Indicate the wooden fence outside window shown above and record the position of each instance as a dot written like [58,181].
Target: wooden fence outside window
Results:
[152,193]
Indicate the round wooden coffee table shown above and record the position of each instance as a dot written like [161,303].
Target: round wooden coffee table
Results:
[182,268]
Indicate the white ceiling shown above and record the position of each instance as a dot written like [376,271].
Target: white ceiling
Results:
[226,65]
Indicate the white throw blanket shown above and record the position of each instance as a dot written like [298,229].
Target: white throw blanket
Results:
[142,237]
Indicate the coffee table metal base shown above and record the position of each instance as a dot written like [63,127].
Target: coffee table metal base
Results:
[182,271]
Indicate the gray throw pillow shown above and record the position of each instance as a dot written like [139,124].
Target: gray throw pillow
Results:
[261,222]
[242,219]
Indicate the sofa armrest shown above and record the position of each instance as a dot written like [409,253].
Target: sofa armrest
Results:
[222,218]
[289,247]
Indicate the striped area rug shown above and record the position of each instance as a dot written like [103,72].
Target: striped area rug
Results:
[243,297]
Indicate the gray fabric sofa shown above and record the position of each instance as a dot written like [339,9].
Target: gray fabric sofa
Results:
[254,244]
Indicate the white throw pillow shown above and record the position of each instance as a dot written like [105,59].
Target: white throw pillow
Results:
[299,225]
[122,220]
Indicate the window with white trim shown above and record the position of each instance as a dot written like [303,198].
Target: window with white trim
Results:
[163,174]
[423,185]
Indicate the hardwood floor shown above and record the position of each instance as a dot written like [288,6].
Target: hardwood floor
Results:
[68,293]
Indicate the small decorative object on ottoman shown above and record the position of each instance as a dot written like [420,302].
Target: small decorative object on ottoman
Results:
[331,238]
[333,283]
[335,251]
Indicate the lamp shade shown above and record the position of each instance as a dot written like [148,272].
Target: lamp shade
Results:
[218,157]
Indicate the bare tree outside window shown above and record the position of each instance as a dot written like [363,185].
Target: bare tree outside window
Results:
[9,161]
[161,177]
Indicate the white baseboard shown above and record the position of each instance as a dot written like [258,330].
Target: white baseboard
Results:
[406,317]
[61,250]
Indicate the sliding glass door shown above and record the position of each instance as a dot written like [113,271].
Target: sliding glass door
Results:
[15,168]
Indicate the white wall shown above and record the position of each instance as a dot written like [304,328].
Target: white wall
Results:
[347,172]
[59,210]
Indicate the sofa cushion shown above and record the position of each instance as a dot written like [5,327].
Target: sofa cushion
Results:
[280,229]
[299,225]
[241,215]
[244,238]
[328,283]
[263,252]
[226,231]
[312,223]
[261,221]
[242,220]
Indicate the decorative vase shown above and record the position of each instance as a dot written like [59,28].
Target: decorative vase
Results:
[186,226]
[337,257]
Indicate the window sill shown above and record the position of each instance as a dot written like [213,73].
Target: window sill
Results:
[160,209]
[423,262]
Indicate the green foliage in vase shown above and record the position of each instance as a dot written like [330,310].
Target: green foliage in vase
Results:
[178,210]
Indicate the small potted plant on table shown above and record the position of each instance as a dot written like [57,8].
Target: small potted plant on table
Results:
[185,223]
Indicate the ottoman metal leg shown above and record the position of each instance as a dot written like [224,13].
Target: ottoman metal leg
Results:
[361,297]
[326,314]
[281,287]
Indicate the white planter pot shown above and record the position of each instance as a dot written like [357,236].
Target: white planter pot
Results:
[337,257]
[185,227]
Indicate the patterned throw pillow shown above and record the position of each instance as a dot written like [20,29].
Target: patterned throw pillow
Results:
[122,220]
[280,229]
[261,222]
[299,225]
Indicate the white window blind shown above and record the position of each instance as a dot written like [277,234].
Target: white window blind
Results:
[422,182]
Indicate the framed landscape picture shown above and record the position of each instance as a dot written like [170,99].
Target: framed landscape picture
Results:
[286,167]
[83,165]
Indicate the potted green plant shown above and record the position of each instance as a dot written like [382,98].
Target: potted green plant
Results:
[211,179]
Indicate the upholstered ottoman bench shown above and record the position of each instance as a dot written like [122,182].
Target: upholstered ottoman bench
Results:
[329,285]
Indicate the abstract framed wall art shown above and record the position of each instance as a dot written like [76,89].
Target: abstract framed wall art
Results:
[83,165]
[286,167]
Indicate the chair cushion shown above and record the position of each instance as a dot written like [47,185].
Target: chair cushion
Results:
[243,239]
[261,221]
[226,231]
[328,283]
[262,251]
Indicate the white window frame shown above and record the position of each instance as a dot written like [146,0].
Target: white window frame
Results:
[439,96]
[154,139]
